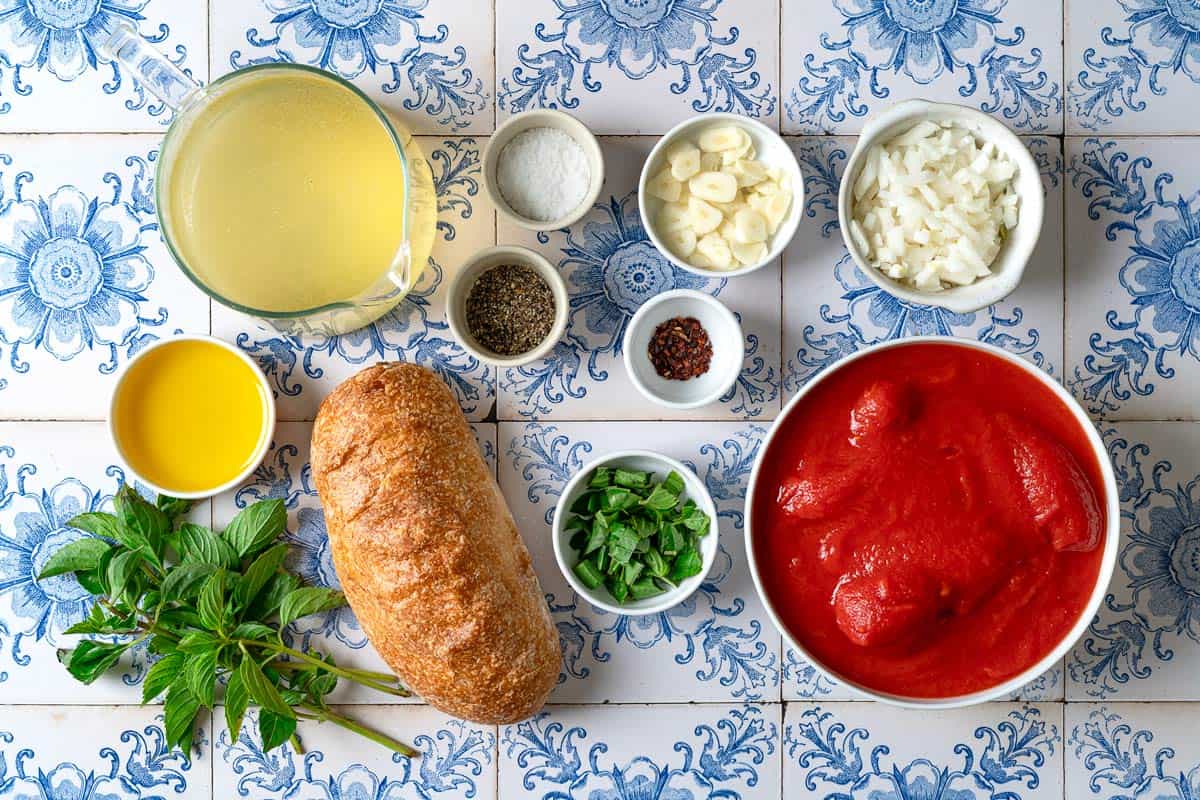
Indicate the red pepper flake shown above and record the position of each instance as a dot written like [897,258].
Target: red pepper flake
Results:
[680,349]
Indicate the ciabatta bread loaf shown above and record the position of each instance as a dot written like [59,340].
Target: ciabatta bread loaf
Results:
[426,549]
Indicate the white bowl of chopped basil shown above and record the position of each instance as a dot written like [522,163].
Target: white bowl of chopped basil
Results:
[635,532]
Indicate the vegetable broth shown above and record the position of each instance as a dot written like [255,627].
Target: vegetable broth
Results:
[286,193]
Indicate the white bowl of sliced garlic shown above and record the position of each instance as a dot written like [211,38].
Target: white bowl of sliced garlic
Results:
[721,194]
[941,205]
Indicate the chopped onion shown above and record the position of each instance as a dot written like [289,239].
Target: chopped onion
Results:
[932,206]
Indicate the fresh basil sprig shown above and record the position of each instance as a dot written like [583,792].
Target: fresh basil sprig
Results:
[212,606]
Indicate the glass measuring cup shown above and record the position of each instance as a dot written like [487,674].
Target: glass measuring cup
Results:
[274,254]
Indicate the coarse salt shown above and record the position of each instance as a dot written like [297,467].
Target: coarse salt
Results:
[543,174]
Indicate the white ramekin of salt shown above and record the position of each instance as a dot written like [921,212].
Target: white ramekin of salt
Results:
[543,170]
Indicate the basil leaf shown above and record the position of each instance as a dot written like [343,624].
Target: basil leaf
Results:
[97,523]
[161,675]
[173,507]
[631,479]
[179,716]
[236,700]
[253,630]
[80,555]
[211,603]
[90,659]
[200,674]
[267,603]
[686,564]
[261,690]
[256,526]
[257,575]
[90,580]
[184,580]
[121,570]
[198,642]
[275,729]
[674,483]
[601,478]
[199,544]
[308,600]
[644,588]
[144,524]
[660,499]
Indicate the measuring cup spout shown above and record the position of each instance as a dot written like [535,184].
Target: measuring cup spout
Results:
[149,66]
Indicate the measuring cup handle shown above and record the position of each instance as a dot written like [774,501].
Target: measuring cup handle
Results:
[149,66]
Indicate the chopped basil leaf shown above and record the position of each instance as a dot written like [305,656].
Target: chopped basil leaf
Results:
[636,537]
[588,574]
[630,479]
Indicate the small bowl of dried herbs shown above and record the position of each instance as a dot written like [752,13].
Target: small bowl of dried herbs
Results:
[507,306]
[683,349]
[635,532]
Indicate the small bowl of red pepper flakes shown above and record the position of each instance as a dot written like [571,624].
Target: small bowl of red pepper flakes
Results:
[683,349]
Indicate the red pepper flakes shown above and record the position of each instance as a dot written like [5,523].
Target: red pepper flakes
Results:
[680,349]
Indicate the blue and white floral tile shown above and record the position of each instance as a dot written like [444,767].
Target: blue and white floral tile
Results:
[672,58]
[286,474]
[611,268]
[54,77]
[846,59]
[831,309]
[85,280]
[1133,66]
[303,370]
[430,64]
[868,751]
[1133,276]
[1141,751]
[458,759]
[49,472]
[673,752]
[718,645]
[1145,642]
[99,753]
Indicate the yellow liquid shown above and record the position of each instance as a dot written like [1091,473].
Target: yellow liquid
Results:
[189,416]
[285,192]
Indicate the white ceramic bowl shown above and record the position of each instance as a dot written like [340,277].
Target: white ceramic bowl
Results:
[543,118]
[724,332]
[1009,264]
[464,279]
[772,150]
[259,454]
[1112,533]
[660,466]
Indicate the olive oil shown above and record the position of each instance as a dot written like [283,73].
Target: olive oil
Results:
[190,416]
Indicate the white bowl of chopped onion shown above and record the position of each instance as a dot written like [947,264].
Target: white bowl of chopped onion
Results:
[941,205]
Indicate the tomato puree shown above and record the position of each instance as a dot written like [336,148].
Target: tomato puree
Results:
[928,520]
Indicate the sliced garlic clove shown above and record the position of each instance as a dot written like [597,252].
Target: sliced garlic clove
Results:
[674,217]
[710,162]
[725,137]
[703,217]
[665,187]
[748,254]
[749,227]
[684,159]
[716,251]
[681,242]
[716,187]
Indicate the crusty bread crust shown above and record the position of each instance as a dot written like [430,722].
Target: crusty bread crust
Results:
[426,549]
